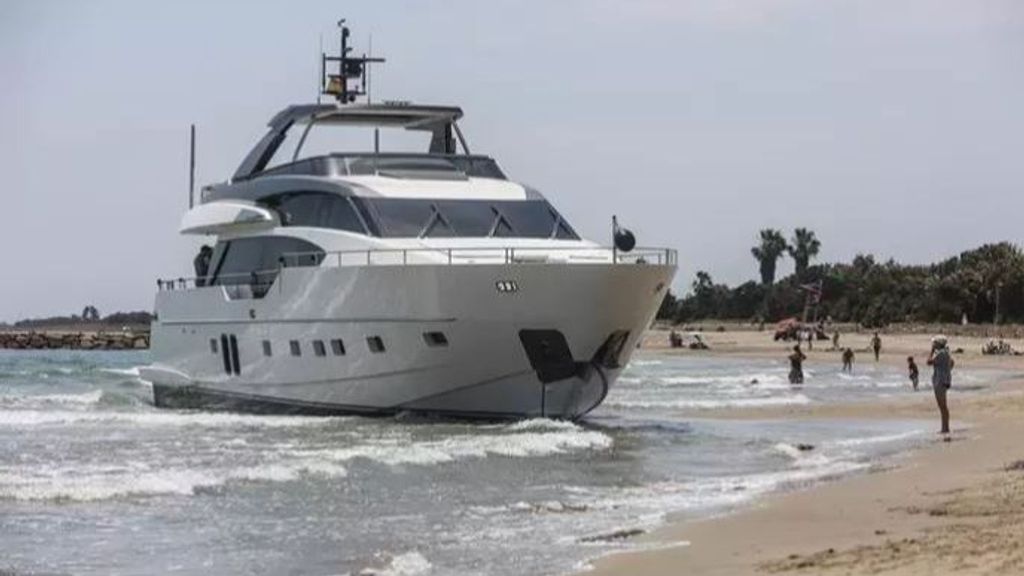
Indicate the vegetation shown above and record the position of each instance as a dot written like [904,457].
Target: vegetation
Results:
[802,248]
[768,252]
[986,284]
[90,316]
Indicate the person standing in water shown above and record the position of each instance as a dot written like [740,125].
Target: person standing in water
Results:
[876,345]
[912,369]
[848,360]
[942,377]
[796,366]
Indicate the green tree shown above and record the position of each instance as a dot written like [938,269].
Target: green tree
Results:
[767,253]
[668,306]
[802,247]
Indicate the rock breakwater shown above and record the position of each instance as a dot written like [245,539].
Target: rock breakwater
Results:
[33,340]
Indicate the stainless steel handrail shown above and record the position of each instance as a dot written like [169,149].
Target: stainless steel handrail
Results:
[437,256]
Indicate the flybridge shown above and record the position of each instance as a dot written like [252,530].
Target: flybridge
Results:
[346,78]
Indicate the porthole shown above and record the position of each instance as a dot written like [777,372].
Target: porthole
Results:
[376,344]
[337,347]
[318,348]
[295,348]
[435,339]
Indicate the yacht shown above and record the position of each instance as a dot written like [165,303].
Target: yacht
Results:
[401,274]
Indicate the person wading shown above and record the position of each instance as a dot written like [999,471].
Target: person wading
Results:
[876,345]
[942,377]
[796,366]
[912,371]
[848,360]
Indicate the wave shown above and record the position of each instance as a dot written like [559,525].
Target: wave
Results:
[26,418]
[408,564]
[878,439]
[83,399]
[278,462]
[133,371]
[80,484]
[398,451]
[708,404]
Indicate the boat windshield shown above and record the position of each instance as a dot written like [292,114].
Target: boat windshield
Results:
[421,218]
[345,140]
[429,218]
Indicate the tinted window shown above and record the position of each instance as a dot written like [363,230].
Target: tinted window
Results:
[404,218]
[338,347]
[408,217]
[470,218]
[261,256]
[376,344]
[439,227]
[530,219]
[435,339]
[315,209]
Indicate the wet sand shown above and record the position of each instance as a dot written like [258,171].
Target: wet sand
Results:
[951,507]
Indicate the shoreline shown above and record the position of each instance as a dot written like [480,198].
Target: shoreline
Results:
[940,507]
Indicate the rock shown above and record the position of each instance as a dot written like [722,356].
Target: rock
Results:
[613,536]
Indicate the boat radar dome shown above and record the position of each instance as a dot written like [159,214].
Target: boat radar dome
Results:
[345,77]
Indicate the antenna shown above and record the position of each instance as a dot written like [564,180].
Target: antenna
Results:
[319,80]
[369,77]
[350,68]
[192,166]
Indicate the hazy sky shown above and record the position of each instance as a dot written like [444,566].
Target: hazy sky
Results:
[892,127]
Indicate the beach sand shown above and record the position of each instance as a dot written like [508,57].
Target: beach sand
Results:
[953,507]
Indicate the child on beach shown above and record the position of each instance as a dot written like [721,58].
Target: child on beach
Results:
[848,360]
[912,367]
[942,377]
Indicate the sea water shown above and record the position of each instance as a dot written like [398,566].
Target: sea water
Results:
[95,480]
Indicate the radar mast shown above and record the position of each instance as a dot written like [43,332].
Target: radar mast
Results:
[344,76]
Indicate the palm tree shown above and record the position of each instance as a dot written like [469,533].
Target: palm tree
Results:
[802,248]
[773,244]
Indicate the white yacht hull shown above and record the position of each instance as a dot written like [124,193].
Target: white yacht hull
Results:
[503,357]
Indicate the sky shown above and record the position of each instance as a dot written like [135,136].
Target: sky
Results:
[890,127]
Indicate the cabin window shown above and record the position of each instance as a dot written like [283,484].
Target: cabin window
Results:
[376,344]
[267,351]
[213,345]
[255,260]
[337,347]
[435,339]
[318,348]
[530,219]
[403,218]
[316,209]
[295,348]
[435,218]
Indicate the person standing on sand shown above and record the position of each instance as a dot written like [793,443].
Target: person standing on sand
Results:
[942,377]
[796,366]
[848,360]
[876,345]
[912,368]
[835,340]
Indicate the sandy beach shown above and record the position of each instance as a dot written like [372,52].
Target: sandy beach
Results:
[950,507]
